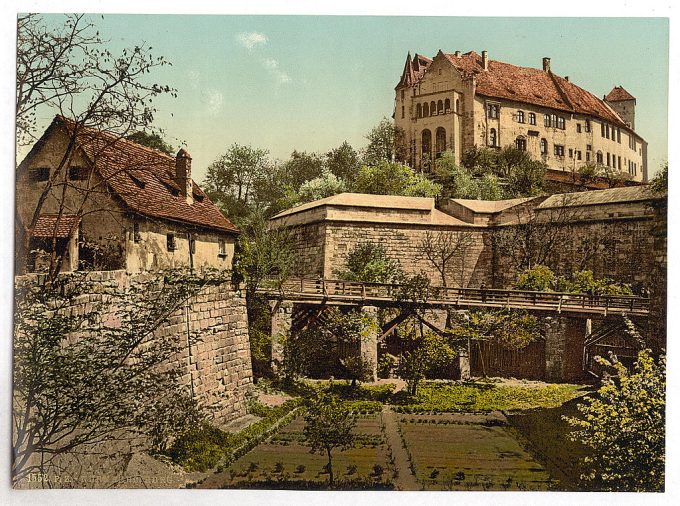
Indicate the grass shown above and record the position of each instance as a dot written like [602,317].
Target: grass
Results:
[437,397]
[286,462]
[449,452]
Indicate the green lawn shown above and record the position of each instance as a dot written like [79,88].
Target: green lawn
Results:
[469,452]
[285,458]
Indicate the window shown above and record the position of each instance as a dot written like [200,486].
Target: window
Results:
[493,139]
[492,111]
[546,120]
[136,236]
[608,160]
[403,112]
[419,111]
[440,107]
[447,105]
[521,143]
[599,157]
[39,174]
[544,147]
[426,143]
[589,147]
[440,140]
[587,156]
[402,95]
[426,110]
[532,118]
[587,125]
[77,173]
[578,128]
[457,105]
[602,129]
[192,244]
[171,243]
[607,130]
[618,135]
[222,248]
[619,163]
[553,120]
[520,116]
[559,150]
[560,122]
[578,154]
[433,108]
[571,153]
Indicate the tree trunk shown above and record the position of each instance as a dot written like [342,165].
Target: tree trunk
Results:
[330,468]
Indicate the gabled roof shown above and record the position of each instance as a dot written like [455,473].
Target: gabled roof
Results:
[618,94]
[530,85]
[53,225]
[597,197]
[490,206]
[144,179]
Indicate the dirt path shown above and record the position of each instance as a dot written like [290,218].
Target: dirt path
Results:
[404,479]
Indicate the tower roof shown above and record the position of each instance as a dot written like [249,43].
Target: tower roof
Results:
[618,94]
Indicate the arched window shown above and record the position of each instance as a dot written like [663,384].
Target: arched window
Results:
[433,108]
[493,138]
[419,111]
[426,110]
[426,143]
[447,105]
[440,140]
[532,118]
[440,107]
[544,147]
[520,116]
[521,143]
[457,105]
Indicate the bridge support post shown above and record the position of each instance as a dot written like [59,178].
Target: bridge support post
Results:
[282,321]
[564,340]
[369,344]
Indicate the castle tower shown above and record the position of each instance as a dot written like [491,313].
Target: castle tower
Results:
[623,103]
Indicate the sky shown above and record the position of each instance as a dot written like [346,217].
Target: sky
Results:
[311,82]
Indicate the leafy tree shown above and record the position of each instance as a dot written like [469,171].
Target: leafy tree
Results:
[539,278]
[151,140]
[427,355]
[624,424]
[659,183]
[596,172]
[368,262]
[542,278]
[343,161]
[326,185]
[386,178]
[84,378]
[328,426]
[235,180]
[300,168]
[459,182]
[385,144]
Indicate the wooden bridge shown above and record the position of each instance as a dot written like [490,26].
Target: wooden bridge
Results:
[339,292]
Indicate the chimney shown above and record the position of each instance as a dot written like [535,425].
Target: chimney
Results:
[183,174]
[485,60]
[546,64]
[457,53]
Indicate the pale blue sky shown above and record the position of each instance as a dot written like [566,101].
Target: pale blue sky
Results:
[310,82]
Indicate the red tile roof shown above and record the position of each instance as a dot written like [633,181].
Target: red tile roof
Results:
[144,179]
[53,225]
[529,85]
[618,94]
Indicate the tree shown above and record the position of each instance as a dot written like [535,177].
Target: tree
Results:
[151,140]
[459,182]
[387,178]
[594,172]
[328,426]
[624,425]
[541,278]
[343,161]
[427,355]
[446,250]
[69,72]
[326,185]
[300,168]
[368,262]
[90,368]
[385,144]
[234,181]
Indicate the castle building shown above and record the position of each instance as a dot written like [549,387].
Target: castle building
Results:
[459,101]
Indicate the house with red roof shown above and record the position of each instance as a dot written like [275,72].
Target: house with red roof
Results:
[96,201]
[458,101]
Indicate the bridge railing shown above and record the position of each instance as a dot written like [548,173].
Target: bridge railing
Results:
[354,290]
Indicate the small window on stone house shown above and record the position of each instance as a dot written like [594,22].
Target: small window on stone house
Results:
[171,242]
[571,153]
[532,118]
[39,174]
[419,111]
[521,143]
[447,105]
[492,137]
[546,120]
[457,105]
[403,112]
[560,122]
[544,147]
[492,111]
[136,236]
[618,135]
[77,173]
[599,158]
[587,156]
[520,116]
[602,130]
[578,128]
[578,154]
[587,125]
[559,150]
[222,248]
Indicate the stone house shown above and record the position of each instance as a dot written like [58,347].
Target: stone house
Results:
[459,101]
[101,202]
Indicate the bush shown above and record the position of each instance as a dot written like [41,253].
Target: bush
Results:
[539,278]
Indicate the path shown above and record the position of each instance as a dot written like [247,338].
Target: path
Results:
[404,479]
